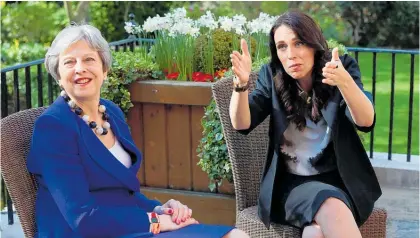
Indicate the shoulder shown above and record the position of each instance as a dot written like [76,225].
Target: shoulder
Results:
[265,75]
[351,65]
[58,113]
[266,71]
[348,61]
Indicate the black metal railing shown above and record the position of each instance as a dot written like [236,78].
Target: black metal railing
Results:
[11,99]
[393,53]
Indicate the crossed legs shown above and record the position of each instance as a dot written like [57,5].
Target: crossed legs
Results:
[333,219]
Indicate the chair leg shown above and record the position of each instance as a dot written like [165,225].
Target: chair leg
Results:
[9,209]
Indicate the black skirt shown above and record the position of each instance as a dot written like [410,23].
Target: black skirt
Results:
[298,198]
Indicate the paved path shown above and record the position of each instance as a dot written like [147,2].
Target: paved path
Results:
[402,206]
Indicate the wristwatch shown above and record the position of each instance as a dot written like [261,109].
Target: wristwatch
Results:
[154,223]
[238,87]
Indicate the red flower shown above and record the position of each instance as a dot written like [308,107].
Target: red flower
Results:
[173,76]
[201,77]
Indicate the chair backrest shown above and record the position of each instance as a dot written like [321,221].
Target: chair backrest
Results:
[16,135]
[246,153]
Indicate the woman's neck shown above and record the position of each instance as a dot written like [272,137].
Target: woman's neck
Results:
[90,108]
[305,84]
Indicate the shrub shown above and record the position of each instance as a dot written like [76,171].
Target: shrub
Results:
[127,67]
[222,42]
[212,150]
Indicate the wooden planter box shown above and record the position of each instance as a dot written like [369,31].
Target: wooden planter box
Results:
[166,126]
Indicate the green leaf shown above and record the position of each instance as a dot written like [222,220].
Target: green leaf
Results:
[219,136]
[212,186]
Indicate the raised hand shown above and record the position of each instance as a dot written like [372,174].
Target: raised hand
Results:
[241,63]
[334,72]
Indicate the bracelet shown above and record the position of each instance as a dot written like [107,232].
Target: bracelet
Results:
[240,87]
[154,223]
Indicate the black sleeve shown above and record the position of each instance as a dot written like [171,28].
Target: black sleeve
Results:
[352,67]
[260,99]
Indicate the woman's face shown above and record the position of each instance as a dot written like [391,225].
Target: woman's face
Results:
[81,71]
[296,57]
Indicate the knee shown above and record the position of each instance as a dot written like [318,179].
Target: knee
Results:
[312,231]
[332,209]
[236,233]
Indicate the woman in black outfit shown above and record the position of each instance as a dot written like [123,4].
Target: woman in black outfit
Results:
[317,175]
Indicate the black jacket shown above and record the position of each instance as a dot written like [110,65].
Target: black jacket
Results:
[353,163]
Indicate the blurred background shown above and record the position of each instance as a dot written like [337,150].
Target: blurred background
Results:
[29,27]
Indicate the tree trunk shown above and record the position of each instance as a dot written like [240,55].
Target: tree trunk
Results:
[80,15]
[127,8]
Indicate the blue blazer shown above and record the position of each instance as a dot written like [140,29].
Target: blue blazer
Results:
[83,190]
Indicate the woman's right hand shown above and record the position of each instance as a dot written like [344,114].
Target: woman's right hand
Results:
[166,223]
[241,63]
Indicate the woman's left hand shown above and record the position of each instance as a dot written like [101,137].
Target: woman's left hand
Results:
[178,211]
[334,72]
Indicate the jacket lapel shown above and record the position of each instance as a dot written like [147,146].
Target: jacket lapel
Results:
[280,122]
[128,144]
[104,157]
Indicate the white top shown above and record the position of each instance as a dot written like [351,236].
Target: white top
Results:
[310,151]
[119,152]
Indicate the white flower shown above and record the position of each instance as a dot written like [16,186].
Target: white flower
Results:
[137,29]
[150,24]
[239,31]
[184,27]
[157,23]
[239,22]
[194,31]
[262,24]
[179,13]
[207,21]
[129,27]
[164,23]
[226,23]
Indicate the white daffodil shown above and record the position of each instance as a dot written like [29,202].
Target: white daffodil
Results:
[182,27]
[179,13]
[194,31]
[239,22]
[129,27]
[150,24]
[208,21]
[226,23]
[262,24]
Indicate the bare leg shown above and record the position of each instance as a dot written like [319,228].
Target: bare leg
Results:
[236,233]
[312,231]
[336,220]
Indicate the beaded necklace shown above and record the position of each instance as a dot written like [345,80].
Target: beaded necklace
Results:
[100,130]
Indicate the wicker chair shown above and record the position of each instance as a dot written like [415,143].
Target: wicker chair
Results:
[247,154]
[16,133]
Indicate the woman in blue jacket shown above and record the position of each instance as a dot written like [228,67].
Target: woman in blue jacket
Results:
[84,158]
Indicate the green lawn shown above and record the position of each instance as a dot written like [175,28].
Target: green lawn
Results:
[401,101]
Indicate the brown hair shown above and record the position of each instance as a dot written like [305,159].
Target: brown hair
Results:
[308,31]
